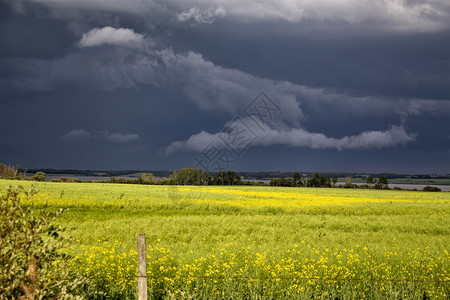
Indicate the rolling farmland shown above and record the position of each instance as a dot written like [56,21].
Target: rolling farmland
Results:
[257,242]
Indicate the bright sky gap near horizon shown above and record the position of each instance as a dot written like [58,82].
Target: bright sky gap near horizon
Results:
[353,86]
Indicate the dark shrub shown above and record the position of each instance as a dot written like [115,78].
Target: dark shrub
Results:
[39,176]
[431,189]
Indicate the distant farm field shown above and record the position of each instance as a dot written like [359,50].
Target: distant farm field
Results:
[258,242]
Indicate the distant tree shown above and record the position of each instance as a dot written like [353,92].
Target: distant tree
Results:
[190,176]
[334,180]
[297,179]
[146,178]
[349,180]
[349,184]
[163,181]
[370,180]
[273,182]
[281,181]
[382,183]
[205,178]
[8,172]
[39,176]
[226,178]
[304,181]
[319,181]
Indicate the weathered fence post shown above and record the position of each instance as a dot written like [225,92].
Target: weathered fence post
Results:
[142,268]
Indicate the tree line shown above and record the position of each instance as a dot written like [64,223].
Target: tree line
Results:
[321,181]
[191,176]
[12,172]
[185,176]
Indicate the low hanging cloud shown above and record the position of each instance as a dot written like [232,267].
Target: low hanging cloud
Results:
[77,135]
[202,16]
[374,139]
[110,36]
[117,137]
[301,138]
[81,135]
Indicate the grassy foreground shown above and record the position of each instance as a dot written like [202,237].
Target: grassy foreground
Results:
[258,242]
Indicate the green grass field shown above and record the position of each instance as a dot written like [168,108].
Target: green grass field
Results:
[258,242]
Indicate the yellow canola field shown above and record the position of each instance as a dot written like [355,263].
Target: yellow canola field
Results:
[246,242]
[214,197]
[298,269]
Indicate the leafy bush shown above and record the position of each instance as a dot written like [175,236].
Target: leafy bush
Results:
[65,179]
[39,176]
[146,178]
[33,264]
[431,189]
[350,186]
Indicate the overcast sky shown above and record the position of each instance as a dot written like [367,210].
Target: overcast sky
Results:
[273,85]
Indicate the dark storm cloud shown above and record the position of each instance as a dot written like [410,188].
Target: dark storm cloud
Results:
[213,88]
[394,15]
[347,75]
[25,36]
[348,58]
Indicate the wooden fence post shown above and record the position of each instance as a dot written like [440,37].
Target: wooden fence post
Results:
[142,268]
